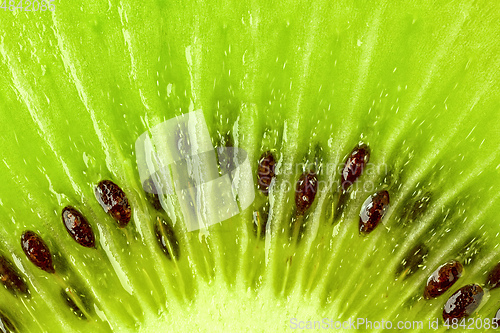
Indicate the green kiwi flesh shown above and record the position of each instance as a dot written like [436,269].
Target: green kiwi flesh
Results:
[415,82]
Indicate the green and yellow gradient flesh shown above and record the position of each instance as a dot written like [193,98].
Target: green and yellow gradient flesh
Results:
[419,83]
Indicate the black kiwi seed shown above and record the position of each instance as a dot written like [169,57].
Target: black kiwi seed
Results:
[372,211]
[265,172]
[11,279]
[493,280]
[355,165]
[305,192]
[442,279]
[78,227]
[6,325]
[412,261]
[166,238]
[463,302]
[37,251]
[114,201]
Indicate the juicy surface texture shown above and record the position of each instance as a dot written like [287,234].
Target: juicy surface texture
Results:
[417,82]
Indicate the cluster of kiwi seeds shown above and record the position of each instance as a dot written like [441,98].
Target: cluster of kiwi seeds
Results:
[114,202]
[462,303]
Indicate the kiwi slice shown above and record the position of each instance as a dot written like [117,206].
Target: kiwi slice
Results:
[372,132]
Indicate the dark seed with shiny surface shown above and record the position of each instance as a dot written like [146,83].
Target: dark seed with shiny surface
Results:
[355,165]
[463,302]
[78,227]
[166,238]
[114,201]
[37,251]
[10,278]
[493,280]
[372,211]
[265,172]
[442,279]
[305,192]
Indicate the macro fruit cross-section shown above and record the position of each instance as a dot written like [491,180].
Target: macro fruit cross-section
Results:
[372,133]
